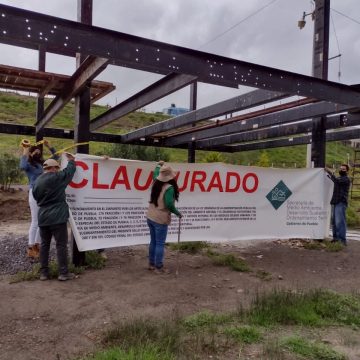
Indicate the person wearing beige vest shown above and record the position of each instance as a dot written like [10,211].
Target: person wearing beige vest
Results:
[164,192]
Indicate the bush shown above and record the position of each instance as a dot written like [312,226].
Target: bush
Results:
[9,170]
[264,160]
[191,247]
[138,152]
[312,350]
[352,217]
[212,157]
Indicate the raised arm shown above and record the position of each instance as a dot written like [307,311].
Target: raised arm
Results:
[24,164]
[68,173]
[52,150]
[157,169]
[169,197]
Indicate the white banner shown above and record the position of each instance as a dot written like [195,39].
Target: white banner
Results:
[108,200]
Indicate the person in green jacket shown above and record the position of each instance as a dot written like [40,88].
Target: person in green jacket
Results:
[49,193]
[164,192]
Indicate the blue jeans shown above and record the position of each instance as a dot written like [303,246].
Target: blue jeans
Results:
[158,234]
[339,222]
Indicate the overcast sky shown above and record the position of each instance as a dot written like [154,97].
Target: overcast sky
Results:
[268,37]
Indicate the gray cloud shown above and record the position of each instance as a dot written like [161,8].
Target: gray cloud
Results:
[270,38]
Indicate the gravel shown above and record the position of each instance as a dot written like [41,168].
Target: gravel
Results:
[13,257]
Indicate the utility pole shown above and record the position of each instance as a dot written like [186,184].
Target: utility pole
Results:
[320,70]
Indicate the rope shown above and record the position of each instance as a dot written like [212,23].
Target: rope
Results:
[69,147]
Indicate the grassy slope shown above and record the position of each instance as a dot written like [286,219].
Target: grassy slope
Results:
[19,109]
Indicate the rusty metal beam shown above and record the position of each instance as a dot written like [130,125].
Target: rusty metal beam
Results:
[87,71]
[21,79]
[159,89]
[293,141]
[48,87]
[289,130]
[224,133]
[241,102]
[333,122]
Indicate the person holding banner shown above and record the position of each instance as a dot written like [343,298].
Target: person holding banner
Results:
[31,162]
[164,192]
[339,202]
[49,192]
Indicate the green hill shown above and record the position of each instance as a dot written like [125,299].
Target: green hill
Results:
[21,109]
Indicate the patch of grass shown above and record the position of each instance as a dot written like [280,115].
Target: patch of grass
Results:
[20,276]
[146,352]
[324,245]
[311,350]
[141,332]
[191,247]
[334,247]
[244,334]
[34,273]
[208,334]
[173,336]
[206,319]
[94,260]
[228,260]
[315,308]
[263,275]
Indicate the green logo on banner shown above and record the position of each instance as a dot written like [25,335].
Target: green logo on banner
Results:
[278,195]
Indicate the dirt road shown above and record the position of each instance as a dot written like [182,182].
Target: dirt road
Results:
[55,320]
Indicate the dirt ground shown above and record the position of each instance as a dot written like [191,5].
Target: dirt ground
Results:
[59,320]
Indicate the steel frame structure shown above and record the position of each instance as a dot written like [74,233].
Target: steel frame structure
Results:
[45,83]
[181,67]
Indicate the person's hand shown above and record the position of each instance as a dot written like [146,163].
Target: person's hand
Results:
[69,156]
[46,143]
[328,170]
[160,162]
[106,157]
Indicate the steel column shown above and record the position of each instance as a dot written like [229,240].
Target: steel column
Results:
[193,103]
[82,106]
[40,102]
[320,70]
